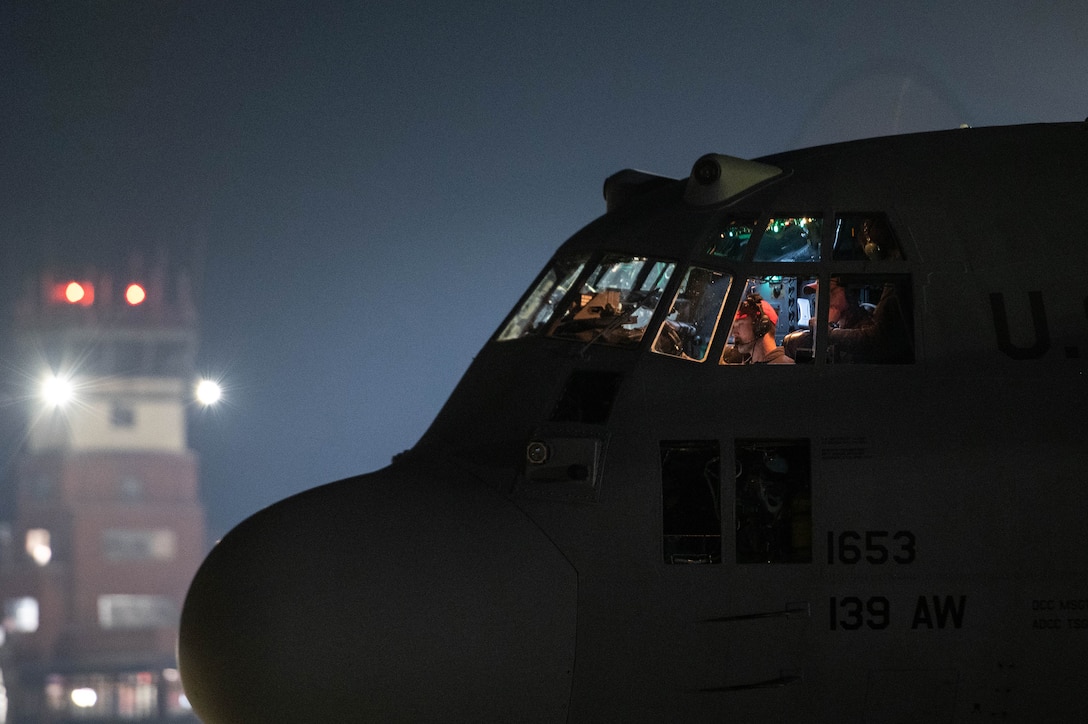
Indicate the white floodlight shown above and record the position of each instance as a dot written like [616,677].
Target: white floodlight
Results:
[208,392]
[56,391]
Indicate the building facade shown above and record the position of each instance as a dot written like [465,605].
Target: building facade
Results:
[107,528]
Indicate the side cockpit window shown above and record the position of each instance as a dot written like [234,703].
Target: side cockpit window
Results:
[689,327]
[869,319]
[539,306]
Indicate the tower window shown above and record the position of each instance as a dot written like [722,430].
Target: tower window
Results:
[21,614]
[122,415]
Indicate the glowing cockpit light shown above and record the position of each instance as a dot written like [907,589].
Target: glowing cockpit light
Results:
[56,390]
[135,294]
[208,392]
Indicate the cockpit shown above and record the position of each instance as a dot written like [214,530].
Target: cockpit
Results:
[771,289]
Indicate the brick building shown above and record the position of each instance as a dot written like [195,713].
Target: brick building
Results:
[107,529]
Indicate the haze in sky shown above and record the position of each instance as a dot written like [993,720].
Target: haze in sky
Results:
[363,190]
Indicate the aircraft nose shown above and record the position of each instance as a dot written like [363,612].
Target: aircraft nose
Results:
[394,596]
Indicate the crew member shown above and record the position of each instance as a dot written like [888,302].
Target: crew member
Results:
[753,335]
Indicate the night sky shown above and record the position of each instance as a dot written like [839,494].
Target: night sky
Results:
[362,190]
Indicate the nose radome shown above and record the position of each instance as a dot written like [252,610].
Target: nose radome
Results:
[394,596]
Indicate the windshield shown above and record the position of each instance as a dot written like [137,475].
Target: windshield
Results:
[613,305]
[538,307]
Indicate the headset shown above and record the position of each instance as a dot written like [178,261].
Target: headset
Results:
[752,306]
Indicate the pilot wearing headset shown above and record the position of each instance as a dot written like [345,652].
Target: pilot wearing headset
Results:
[753,335]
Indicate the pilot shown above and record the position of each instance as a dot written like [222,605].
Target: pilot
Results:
[753,335]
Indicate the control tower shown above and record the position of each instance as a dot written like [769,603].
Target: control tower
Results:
[107,529]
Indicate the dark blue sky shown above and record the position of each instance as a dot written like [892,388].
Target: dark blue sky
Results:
[364,189]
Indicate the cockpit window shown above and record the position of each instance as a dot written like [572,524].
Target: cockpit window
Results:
[869,319]
[865,237]
[772,322]
[689,327]
[616,301]
[791,238]
[732,242]
[540,304]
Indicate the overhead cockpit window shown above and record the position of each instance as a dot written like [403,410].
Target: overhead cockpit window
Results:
[772,310]
[540,304]
[615,302]
[689,327]
[791,239]
[732,242]
[865,237]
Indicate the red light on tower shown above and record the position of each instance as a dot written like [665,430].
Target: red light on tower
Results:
[73,292]
[135,294]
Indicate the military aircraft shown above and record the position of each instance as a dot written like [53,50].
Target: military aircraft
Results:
[799,438]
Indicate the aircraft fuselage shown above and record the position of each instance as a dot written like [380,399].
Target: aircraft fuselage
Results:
[634,506]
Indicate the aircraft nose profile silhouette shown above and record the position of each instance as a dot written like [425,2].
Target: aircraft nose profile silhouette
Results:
[797,438]
[441,618]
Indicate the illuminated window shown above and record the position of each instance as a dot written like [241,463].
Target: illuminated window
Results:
[616,301]
[136,611]
[122,696]
[21,614]
[139,545]
[689,327]
[732,241]
[791,239]
[870,319]
[85,697]
[771,325]
[538,307]
[38,546]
